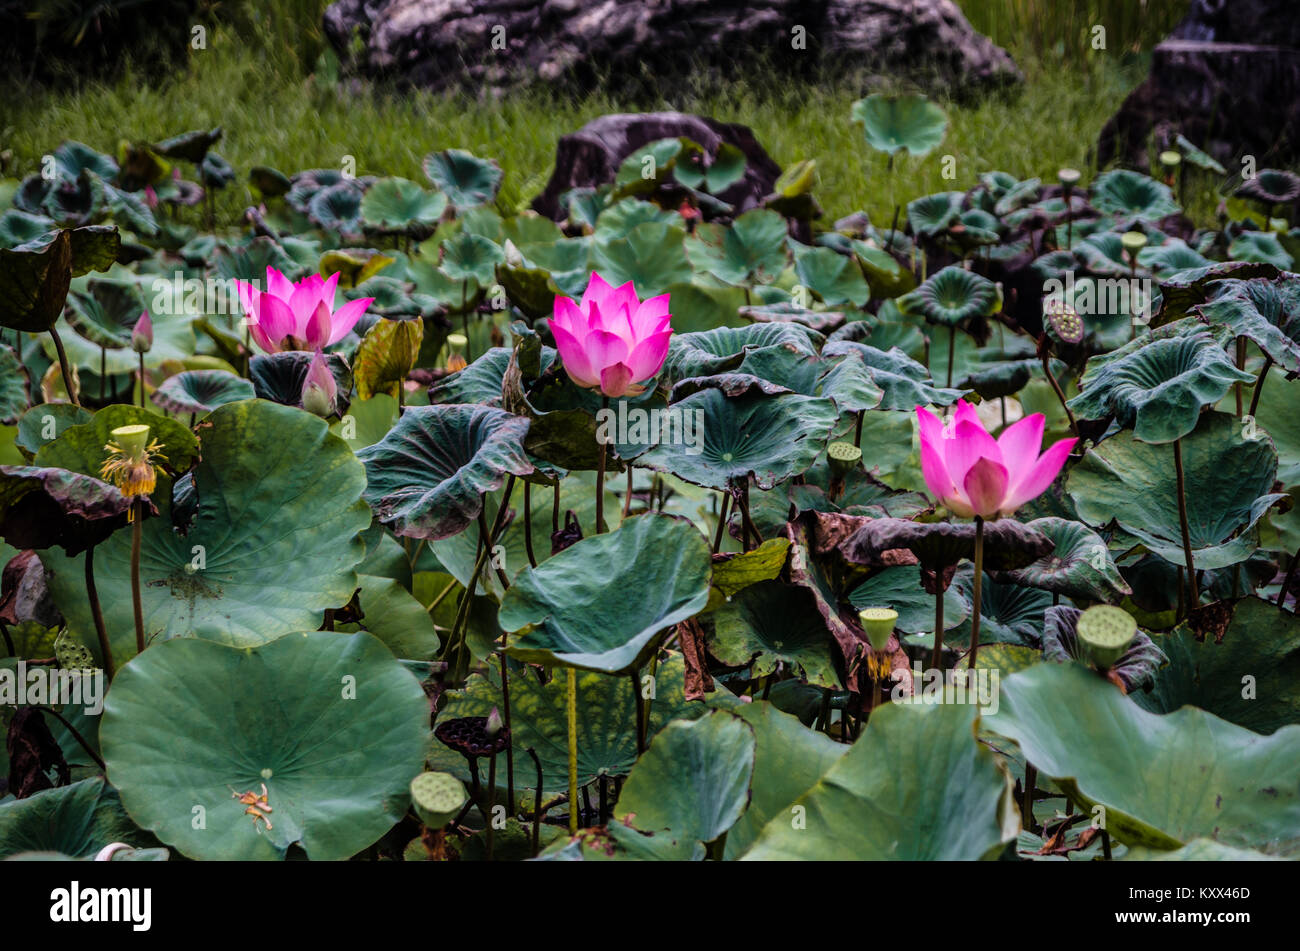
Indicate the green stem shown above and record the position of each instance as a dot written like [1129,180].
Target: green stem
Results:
[1195,596]
[528,524]
[600,478]
[92,596]
[572,708]
[136,604]
[976,595]
[63,367]
[952,346]
[1259,384]
[722,522]
[936,655]
[142,380]
[1241,365]
[537,803]
[640,712]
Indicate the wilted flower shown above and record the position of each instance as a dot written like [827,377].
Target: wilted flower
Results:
[298,316]
[972,473]
[612,339]
[132,462]
[142,334]
[319,391]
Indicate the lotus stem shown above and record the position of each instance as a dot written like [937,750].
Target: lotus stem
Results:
[442,595]
[9,641]
[857,429]
[749,526]
[1195,597]
[528,523]
[600,478]
[1027,804]
[464,319]
[952,346]
[1259,384]
[604,799]
[976,594]
[640,712]
[1060,393]
[63,367]
[555,508]
[92,596]
[491,801]
[537,803]
[137,606]
[627,497]
[722,521]
[573,748]
[76,735]
[510,737]
[936,655]
[142,379]
[103,370]
[1286,581]
[1241,365]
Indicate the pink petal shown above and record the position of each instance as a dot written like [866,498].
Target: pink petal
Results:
[260,338]
[574,356]
[277,285]
[346,317]
[649,355]
[248,295]
[1020,444]
[933,468]
[650,315]
[275,319]
[570,316]
[597,290]
[1035,482]
[317,332]
[616,379]
[966,413]
[967,445]
[605,349]
[986,487]
[303,302]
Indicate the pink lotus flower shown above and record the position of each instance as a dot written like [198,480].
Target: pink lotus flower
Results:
[142,334]
[612,340]
[301,316]
[972,473]
[319,391]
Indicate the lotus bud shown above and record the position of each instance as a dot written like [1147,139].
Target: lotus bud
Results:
[1105,633]
[142,334]
[438,798]
[513,256]
[879,624]
[494,722]
[319,391]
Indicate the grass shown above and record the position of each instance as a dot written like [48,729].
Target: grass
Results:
[253,80]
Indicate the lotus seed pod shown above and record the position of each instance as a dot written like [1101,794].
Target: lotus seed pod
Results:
[1133,241]
[438,797]
[1170,160]
[457,341]
[1068,177]
[132,440]
[1064,323]
[843,458]
[1106,632]
[879,623]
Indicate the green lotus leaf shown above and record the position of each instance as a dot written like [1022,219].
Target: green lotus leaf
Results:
[601,603]
[770,438]
[397,204]
[770,623]
[916,785]
[894,123]
[539,719]
[392,614]
[428,475]
[1079,567]
[1275,414]
[1103,255]
[725,169]
[467,181]
[1170,258]
[1132,483]
[471,257]
[80,448]
[850,384]
[821,321]
[886,278]
[1248,676]
[751,250]
[45,422]
[76,821]
[934,214]
[1009,613]
[271,542]
[189,146]
[652,256]
[188,723]
[950,297]
[905,384]
[1194,156]
[202,391]
[105,313]
[1163,780]
[337,207]
[44,507]
[13,387]
[1272,186]
[693,781]
[835,278]
[1158,384]
[386,355]
[279,377]
[19,227]
[34,282]
[772,351]
[1183,290]
[1267,312]
[1136,667]
[1132,195]
[1008,543]
[269,182]
[1261,247]
[481,381]
[1199,850]
[899,588]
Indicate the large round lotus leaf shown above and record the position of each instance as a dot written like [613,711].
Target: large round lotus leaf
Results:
[1080,566]
[81,447]
[788,759]
[652,256]
[1009,613]
[105,312]
[771,622]
[950,297]
[1228,477]
[76,820]
[693,781]
[1135,668]
[481,381]
[1250,676]
[41,508]
[725,349]
[271,544]
[894,123]
[1158,384]
[770,438]
[1198,850]
[467,181]
[751,250]
[428,475]
[600,603]
[934,214]
[1170,258]
[539,719]
[900,588]
[279,377]
[34,282]
[392,614]
[1163,780]
[915,786]
[1262,247]
[46,422]
[13,387]
[1275,414]
[1272,186]
[331,723]
[1184,290]
[1103,255]
[471,257]
[1132,195]
[337,208]
[396,204]
[202,391]
[905,383]
[835,278]
[1267,312]
[19,227]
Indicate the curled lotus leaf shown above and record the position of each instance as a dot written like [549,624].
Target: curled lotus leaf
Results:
[1135,669]
[1008,544]
[44,507]
[1079,566]
[202,391]
[951,296]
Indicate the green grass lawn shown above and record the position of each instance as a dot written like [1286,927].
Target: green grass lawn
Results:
[254,80]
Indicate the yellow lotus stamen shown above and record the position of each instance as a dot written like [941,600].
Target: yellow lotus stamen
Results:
[132,462]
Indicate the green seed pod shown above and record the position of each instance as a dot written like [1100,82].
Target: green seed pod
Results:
[1068,177]
[1170,160]
[438,797]
[843,458]
[879,623]
[1106,632]
[1133,241]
